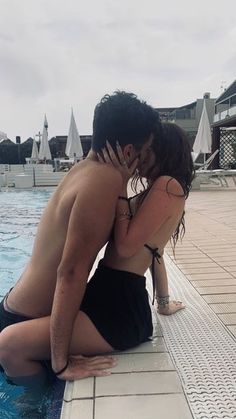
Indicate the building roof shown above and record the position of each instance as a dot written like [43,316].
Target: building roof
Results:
[165,109]
[7,142]
[231,91]
[189,106]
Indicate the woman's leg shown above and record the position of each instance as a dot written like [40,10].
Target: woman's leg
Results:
[24,345]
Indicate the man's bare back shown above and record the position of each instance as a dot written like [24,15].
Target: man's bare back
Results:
[34,292]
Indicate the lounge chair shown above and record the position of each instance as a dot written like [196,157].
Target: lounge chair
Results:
[194,156]
[207,163]
[224,173]
[215,176]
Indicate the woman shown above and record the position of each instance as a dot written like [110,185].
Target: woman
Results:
[116,300]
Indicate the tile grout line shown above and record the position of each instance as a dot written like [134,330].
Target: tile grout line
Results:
[94,396]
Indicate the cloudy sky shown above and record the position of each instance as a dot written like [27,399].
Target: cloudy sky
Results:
[57,54]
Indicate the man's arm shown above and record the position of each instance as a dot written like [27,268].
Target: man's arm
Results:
[90,223]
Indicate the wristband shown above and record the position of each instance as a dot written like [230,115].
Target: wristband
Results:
[63,369]
[163,301]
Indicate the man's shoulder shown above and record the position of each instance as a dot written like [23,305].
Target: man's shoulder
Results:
[105,172]
[96,179]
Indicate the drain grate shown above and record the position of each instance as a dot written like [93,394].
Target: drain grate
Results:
[203,350]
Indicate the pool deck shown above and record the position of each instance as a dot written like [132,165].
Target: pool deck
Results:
[150,381]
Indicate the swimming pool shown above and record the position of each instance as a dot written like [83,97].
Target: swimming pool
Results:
[20,212]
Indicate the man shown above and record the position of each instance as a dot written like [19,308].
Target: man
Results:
[74,227]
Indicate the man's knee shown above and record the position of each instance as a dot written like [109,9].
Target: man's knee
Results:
[8,349]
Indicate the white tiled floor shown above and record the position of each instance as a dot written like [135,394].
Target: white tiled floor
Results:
[168,406]
[143,383]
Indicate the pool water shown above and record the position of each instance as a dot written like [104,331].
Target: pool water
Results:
[20,212]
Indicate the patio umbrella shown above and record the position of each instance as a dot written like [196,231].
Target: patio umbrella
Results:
[203,140]
[44,150]
[35,152]
[73,144]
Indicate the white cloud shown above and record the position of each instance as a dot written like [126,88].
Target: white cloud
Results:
[57,54]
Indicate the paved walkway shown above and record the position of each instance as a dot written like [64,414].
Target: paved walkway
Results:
[152,380]
[207,256]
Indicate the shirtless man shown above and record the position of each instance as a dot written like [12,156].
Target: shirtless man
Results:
[74,227]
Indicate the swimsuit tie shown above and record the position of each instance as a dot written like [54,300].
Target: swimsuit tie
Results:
[155,255]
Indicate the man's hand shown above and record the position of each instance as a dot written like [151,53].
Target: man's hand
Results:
[82,367]
[171,308]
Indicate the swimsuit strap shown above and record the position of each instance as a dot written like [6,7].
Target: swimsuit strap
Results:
[155,255]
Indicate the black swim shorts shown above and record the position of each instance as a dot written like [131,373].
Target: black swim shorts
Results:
[7,318]
[117,303]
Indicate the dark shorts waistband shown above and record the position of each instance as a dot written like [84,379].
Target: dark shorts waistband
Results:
[7,318]
[109,273]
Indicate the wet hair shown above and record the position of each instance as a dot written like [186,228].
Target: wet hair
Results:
[124,118]
[172,158]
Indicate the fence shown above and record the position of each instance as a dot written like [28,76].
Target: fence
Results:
[227,153]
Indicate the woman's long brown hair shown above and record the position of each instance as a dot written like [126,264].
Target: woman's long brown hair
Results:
[172,158]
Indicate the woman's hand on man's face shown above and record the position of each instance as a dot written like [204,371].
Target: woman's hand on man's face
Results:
[108,156]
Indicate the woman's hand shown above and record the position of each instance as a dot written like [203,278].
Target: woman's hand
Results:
[81,367]
[171,308]
[109,156]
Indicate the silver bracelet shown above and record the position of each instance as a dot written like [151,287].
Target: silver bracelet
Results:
[163,301]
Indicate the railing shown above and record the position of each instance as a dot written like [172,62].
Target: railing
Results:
[225,114]
[41,175]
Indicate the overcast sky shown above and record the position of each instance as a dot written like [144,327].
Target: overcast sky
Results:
[57,54]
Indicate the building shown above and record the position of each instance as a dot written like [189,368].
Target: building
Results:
[222,117]
[58,145]
[188,116]
[16,153]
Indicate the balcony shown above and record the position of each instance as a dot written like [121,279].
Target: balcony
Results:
[225,114]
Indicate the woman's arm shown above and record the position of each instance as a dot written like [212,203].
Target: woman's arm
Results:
[165,305]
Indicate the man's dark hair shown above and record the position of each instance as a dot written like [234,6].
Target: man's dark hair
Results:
[124,118]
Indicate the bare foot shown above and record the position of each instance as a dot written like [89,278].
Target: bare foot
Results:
[171,308]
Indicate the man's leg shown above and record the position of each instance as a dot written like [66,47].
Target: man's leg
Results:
[24,345]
